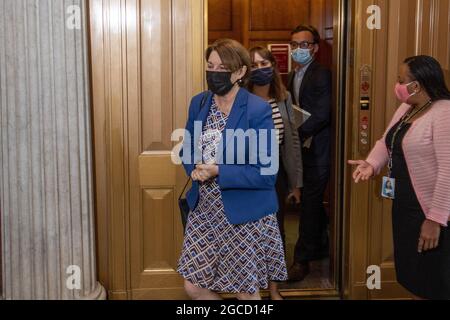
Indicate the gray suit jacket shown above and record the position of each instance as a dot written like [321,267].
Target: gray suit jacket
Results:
[291,151]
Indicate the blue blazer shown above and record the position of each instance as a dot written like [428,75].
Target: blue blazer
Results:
[247,194]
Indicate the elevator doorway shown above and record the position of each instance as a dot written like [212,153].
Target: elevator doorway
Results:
[142,82]
[265,23]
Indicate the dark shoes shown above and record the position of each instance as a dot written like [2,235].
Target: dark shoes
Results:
[299,271]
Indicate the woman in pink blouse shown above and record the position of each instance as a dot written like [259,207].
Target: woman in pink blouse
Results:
[416,150]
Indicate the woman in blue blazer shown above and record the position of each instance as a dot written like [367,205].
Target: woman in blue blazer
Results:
[232,242]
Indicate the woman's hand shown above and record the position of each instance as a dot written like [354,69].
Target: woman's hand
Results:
[364,170]
[195,175]
[429,237]
[296,194]
[205,172]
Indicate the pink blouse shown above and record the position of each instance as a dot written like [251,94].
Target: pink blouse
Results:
[427,153]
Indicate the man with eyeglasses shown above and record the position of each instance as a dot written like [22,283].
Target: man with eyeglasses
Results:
[311,86]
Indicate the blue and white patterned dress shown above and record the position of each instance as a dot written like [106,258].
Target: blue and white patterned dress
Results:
[220,256]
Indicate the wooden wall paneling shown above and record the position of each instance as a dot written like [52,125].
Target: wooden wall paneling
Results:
[327,33]
[258,22]
[441,35]
[371,234]
[220,15]
[272,22]
[118,142]
[379,226]
[321,17]
[225,19]
[358,221]
[245,23]
[399,45]
[317,15]
[329,21]
[106,26]
[432,29]
[283,15]
[278,30]
[424,27]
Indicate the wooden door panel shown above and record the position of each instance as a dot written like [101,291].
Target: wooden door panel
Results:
[156,170]
[156,75]
[153,251]
[147,58]
[158,230]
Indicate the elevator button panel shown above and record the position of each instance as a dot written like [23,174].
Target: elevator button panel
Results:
[365,110]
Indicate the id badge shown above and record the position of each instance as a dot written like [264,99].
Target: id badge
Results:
[388,188]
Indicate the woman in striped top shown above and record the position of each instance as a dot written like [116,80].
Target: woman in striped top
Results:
[416,148]
[266,83]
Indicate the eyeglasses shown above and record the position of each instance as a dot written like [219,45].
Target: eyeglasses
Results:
[302,45]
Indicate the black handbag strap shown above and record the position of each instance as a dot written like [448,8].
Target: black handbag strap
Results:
[202,104]
[184,189]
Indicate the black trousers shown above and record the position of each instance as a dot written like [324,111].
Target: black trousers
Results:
[313,242]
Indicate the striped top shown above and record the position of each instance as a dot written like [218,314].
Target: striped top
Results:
[427,153]
[278,121]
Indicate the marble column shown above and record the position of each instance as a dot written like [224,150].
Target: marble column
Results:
[46,179]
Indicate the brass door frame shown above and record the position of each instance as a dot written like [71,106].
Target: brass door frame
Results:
[341,87]
[343,17]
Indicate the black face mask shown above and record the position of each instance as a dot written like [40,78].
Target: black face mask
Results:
[219,82]
[262,77]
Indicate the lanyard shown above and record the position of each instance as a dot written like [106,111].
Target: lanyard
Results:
[405,119]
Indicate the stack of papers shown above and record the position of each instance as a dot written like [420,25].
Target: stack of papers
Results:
[301,116]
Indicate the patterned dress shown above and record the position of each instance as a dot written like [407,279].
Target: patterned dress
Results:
[220,256]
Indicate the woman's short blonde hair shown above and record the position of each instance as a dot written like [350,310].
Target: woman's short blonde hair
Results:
[234,56]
